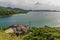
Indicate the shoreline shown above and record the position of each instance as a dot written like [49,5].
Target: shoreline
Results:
[13,14]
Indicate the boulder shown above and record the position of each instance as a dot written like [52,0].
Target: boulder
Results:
[15,28]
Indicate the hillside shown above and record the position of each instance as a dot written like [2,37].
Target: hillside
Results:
[8,11]
[34,34]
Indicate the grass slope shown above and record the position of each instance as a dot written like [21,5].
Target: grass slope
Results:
[35,34]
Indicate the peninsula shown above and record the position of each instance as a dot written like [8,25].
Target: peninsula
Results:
[5,11]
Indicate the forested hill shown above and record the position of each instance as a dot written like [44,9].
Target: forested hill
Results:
[8,11]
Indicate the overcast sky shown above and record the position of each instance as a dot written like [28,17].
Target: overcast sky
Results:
[32,4]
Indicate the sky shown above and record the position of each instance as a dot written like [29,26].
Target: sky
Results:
[32,4]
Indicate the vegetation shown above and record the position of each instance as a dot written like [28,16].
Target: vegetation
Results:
[34,34]
[4,11]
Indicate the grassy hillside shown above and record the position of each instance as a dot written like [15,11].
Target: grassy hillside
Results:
[43,34]
[35,34]
[8,11]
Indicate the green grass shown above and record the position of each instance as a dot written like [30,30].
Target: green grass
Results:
[36,34]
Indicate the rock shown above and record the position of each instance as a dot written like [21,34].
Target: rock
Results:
[15,28]
[10,30]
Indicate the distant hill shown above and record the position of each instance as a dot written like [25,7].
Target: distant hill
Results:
[44,10]
[8,11]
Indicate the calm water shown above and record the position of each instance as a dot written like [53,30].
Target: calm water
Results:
[37,19]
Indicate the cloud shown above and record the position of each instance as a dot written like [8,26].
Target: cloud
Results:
[30,4]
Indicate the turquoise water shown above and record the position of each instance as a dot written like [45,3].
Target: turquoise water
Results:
[37,19]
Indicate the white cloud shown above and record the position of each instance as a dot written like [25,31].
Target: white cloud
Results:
[30,4]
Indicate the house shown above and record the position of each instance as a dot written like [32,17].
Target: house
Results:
[16,28]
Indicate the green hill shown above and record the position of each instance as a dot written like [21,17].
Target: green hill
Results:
[4,11]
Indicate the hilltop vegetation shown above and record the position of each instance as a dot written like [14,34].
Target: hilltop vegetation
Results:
[8,11]
[34,34]
[43,34]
